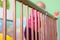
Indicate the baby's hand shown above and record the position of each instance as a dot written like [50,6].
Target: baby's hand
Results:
[56,14]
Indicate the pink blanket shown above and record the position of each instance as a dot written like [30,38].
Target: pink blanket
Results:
[34,17]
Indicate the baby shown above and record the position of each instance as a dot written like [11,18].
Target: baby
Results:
[42,5]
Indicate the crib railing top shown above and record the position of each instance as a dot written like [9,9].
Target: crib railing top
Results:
[32,5]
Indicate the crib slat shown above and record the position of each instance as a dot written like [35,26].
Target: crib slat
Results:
[43,24]
[21,21]
[39,26]
[45,28]
[32,33]
[35,12]
[14,20]
[52,24]
[50,27]
[54,32]
[4,19]
[42,27]
[27,15]
[55,25]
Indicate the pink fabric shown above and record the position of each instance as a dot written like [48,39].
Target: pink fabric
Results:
[35,20]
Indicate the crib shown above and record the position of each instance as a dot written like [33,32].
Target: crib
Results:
[49,29]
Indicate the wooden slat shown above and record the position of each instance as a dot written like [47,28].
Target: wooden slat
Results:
[49,38]
[55,30]
[45,28]
[14,20]
[32,33]
[50,27]
[43,24]
[21,21]
[55,21]
[53,33]
[4,19]
[27,15]
[35,12]
[42,27]
[39,26]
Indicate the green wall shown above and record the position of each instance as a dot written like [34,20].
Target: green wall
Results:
[51,6]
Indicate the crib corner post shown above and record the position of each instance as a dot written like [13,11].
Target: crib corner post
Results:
[4,18]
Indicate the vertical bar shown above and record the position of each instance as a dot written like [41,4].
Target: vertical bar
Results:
[32,26]
[42,27]
[4,19]
[45,28]
[47,24]
[21,21]
[50,27]
[27,15]
[39,26]
[35,12]
[14,20]
[56,23]
[55,31]
[49,38]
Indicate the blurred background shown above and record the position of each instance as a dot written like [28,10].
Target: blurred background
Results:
[51,6]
